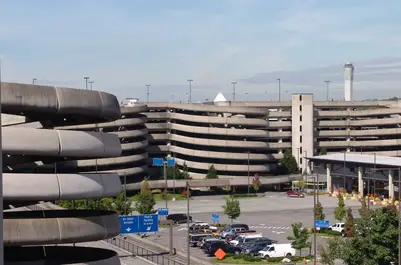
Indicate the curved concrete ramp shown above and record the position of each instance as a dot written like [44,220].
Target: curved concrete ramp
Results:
[61,255]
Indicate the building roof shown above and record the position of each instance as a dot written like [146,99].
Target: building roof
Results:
[220,98]
[363,160]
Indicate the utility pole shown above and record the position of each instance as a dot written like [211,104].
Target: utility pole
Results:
[147,92]
[91,84]
[279,89]
[234,83]
[327,89]
[86,82]
[1,185]
[190,90]
[314,220]
[249,183]
[33,81]
[188,243]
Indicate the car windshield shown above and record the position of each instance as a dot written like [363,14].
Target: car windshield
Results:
[267,248]
[239,238]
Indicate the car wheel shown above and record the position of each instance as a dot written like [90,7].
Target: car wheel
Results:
[288,255]
[266,257]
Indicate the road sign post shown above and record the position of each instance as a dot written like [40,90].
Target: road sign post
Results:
[215,217]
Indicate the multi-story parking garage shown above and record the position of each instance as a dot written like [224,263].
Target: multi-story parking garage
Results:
[32,150]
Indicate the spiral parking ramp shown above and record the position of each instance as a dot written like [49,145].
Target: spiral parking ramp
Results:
[32,150]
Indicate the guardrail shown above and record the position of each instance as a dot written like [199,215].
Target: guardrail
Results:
[157,258]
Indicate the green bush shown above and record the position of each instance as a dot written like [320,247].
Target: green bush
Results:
[252,259]
[245,195]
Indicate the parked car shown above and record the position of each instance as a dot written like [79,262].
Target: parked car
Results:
[277,251]
[199,226]
[210,249]
[230,229]
[209,241]
[179,218]
[194,239]
[254,248]
[245,239]
[232,235]
[295,194]
[338,227]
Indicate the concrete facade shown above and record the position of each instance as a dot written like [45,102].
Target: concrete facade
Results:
[30,173]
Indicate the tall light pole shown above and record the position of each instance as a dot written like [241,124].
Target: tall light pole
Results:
[249,182]
[91,84]
[246,96]
[33,81]
[190,90]
[279,89]
[234,83]
[1,185]
[86,82]
[327,89]
[147,92]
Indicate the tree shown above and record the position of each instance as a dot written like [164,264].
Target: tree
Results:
[174,172]
[256,183]
[364,211]
[212,173]
[349,226]
[118,204]
[145,202]
[300,237]
[319,214]
[232,208]
[331,251]
[288,164]
[185,171]
[340,212]
[323,151]
[227,188]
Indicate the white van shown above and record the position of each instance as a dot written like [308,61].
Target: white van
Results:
[277,251]
[245,239]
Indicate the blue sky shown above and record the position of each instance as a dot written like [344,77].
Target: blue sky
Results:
[123,45]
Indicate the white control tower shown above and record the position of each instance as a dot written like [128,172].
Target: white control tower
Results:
[348,81]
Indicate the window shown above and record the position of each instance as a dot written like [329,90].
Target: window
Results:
[300,139]
[271,249]
[300,160]
[300,150]
[300,108]
[300,117]
[300,97]
[300,128]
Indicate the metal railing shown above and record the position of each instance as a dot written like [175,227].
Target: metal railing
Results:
[157,258]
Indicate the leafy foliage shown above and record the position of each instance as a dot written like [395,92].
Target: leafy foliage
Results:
[175,173]
[145,201]
[331,251]
[227,188]
[340,212]
[212,173]
[300,237]
[185,171]
[349,226]
[256,183]
[323,151]
[232,208]
[319,214]
[288,164]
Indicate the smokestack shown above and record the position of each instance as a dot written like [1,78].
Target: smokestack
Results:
[348,81]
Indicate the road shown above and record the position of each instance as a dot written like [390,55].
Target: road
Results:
[272,216]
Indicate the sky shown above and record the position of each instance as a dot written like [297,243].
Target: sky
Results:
[124,45]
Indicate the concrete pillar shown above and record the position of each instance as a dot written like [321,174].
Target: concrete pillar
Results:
[360,181]
[390,184]
[329,183]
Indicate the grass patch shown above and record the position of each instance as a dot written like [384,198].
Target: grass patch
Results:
[327,233]
[160,197]
[244,196]
[246,259]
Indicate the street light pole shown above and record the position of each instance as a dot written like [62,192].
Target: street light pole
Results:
[327,89]
[190,89]
[86,82]
[1,184]
[279,89]
[234,83]
[248,175]
[188,243]
[314,220]
[91,84]
[147,92]
[33,81]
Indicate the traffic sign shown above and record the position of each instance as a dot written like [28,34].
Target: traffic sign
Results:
[215,217]
[322,224]
[162,211]
[170,162]
[148,223]
[157,161]
[129,224]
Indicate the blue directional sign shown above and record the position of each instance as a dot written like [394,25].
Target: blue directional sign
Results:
[170,162]
[215,217]
[148,223]
[157,161]
[162,211]
[322,224]
[129,224]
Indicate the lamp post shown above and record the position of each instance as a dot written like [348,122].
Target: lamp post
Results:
[91,84]
[279,89]
[86,82]
[249,182]
[190,90]
[234,83]
[327,89]
[147,92]
[188,242]
[33,81]
[1,184]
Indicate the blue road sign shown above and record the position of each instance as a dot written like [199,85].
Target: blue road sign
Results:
[162,211]
[215,217]
[170,162]
[148,223]
[129,224]
[322,224]
[157,161]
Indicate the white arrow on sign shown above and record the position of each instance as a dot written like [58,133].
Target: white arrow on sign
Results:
[148,229]
[128,229]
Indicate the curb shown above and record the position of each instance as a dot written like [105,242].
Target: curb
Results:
[178,252]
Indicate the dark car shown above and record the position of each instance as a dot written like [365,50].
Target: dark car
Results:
[210,249]
[254,248]
[209,241]
[179,218]
[258,240]
[194,239]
